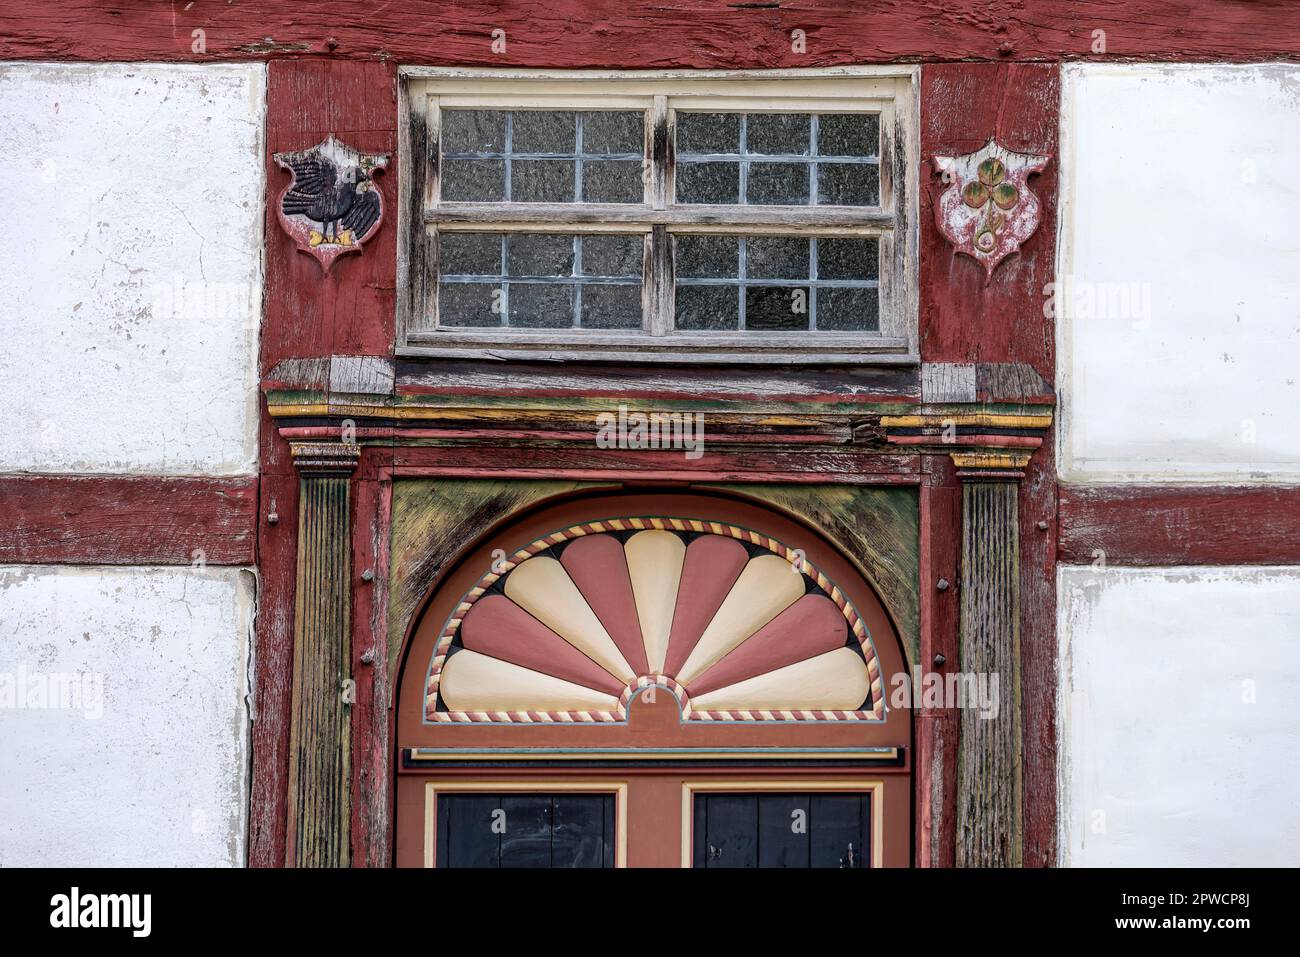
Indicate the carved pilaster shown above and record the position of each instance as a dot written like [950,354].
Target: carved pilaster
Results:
[989,832]
[321,741]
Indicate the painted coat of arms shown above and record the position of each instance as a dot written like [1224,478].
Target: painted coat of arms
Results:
[332,205]
[988,209]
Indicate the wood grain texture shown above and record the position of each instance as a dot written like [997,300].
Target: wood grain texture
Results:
[640,33]
[127,520]
[320,749]
[1152,525]
[989,782]
[1001,327]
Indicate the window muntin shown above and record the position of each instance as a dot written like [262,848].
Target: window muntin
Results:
[808,171]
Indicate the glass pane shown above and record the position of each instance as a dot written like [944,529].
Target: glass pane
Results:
[469,304]
[708,133]
[776,257]
[612,181]
[539,254]
[610,306]
[848,310]
[848,134]
[473,131]
[848,259]
[707,257]
[707,307]
[541,305]
[469,254]
[612,255]
[545,131]
[776,283]
[776,308]
[708,182]
[613,133]
[541,181]
[474,181]
[779,133]
[780,159]
[848,184]
[778,184]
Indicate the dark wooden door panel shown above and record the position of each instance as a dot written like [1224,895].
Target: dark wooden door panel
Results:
[526,830]
[837,827]
[782,829]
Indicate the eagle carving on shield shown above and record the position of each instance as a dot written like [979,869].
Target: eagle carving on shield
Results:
[333,204]
[988,209]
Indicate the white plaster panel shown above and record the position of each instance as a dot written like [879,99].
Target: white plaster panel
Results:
[131,271]
[1178,290]
[1178,728]
[151,769]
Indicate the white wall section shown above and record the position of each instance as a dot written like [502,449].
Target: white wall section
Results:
[131,271]
[124,727]
[1179,736]
[1179,272]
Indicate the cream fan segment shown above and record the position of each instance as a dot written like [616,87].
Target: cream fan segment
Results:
[835,681]
[474,682]
[654,562]
[766,587]
[541,587]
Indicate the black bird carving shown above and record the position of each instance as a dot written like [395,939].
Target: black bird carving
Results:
[332,197]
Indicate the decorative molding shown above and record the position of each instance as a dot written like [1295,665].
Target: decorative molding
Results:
[650,638]
[988,210]
[980,443]
[325,458]
[332,203]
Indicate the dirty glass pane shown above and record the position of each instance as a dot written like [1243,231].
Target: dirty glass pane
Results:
[545,131]
[776,308]
[713,308]
[848,134]
[779,133]
[613,132]
[541,305]
[469,304]
[612,181]
[469,254]
[473,131]
[708,133]
[474,181]
[848,184]
[848,259]
[539,254]
[610,306]
[541,181]
[848,310]
[707,257]
[612,255]
[708,182]
[778,184]
[776,257]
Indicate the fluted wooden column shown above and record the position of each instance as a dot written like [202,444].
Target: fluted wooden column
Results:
[989,802]
[321,741]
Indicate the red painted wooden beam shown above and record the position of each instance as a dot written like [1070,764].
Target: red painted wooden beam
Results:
[651,33]
[127,520]
[1145,525]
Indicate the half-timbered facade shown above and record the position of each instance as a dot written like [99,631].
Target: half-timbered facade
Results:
[682,435]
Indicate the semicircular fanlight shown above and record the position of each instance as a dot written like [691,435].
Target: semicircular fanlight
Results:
[738,625]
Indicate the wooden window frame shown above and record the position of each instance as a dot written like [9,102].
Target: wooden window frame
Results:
[892,91]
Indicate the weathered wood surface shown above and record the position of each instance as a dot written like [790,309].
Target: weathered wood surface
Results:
[127,520]
[309,316]
[640,33]
[320,751]
[1001,327]
[1154,525]
[989,774]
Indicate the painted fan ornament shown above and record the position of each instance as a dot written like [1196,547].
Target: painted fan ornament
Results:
[332,204]
[582,620]
[988,210]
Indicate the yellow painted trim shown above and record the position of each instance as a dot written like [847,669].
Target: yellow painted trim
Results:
[617,788]
[991,419]
[990,460]
[876,788]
